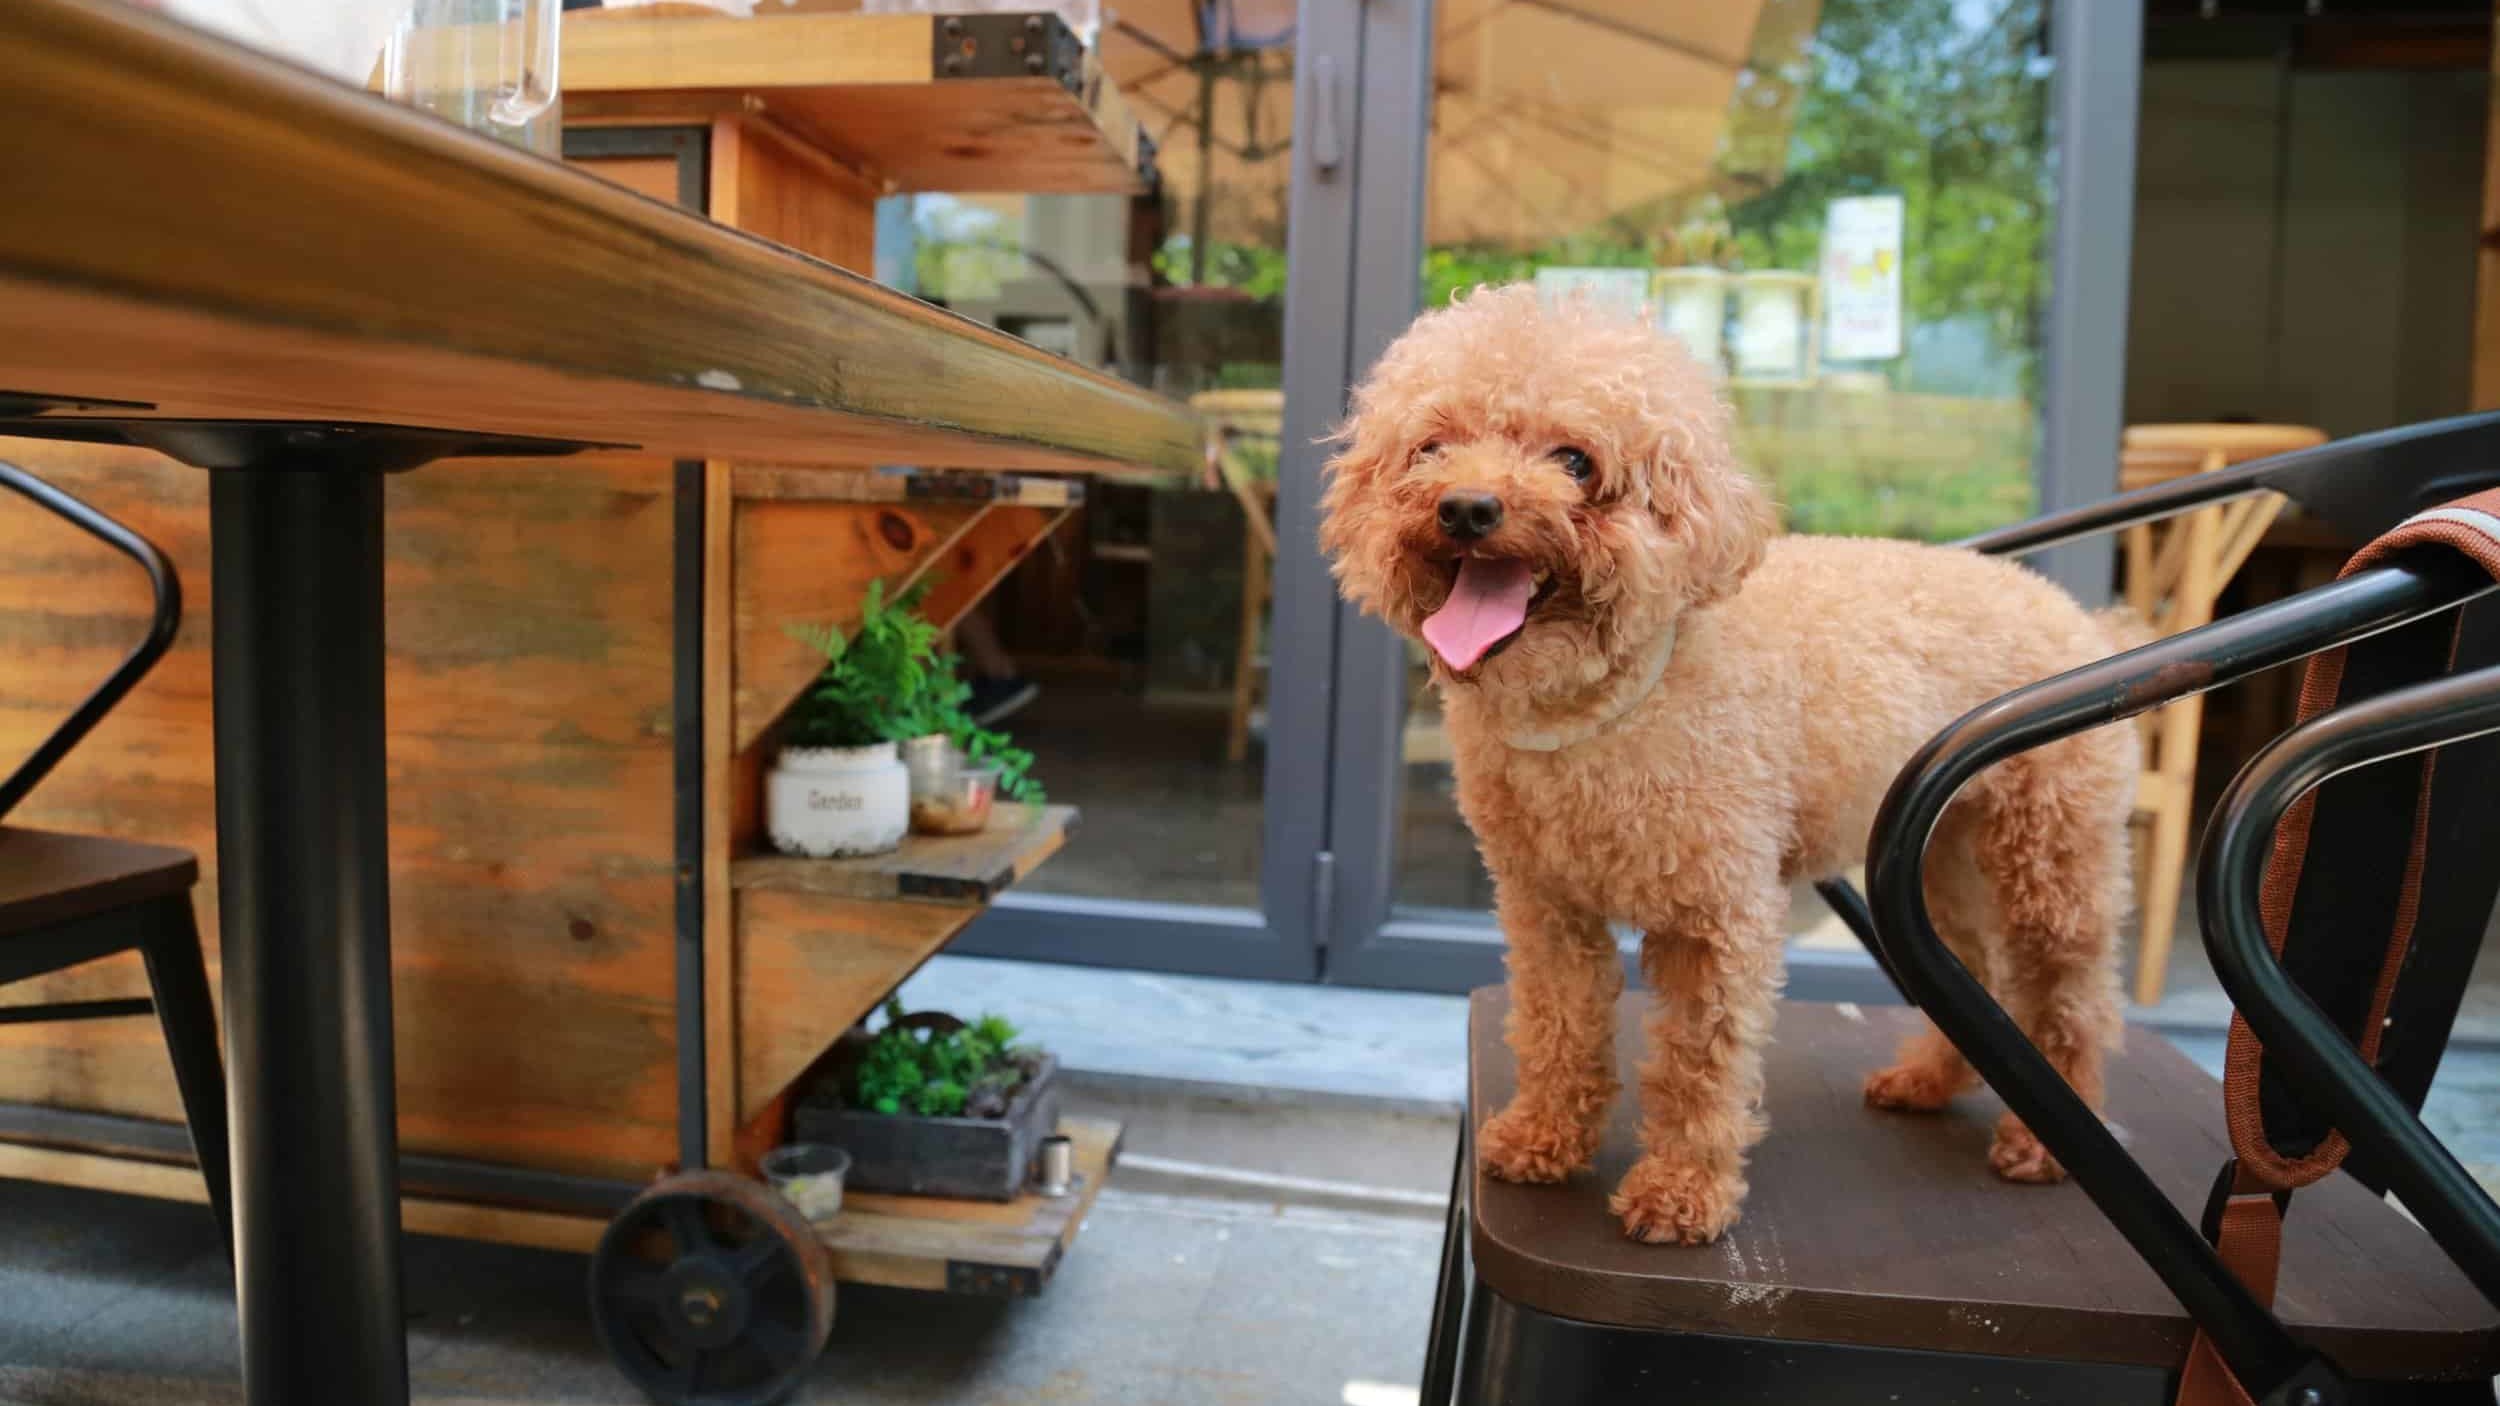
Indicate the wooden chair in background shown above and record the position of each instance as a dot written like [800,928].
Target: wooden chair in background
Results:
[1236,418]
[2176,570]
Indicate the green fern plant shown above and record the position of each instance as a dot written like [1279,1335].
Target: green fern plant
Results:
[888,681]
[873,680]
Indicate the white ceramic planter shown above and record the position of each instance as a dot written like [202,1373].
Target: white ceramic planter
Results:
[825,802]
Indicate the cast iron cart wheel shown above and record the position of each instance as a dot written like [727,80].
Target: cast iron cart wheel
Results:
[711,1290]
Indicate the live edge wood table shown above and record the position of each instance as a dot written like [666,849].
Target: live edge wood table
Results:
[660,427]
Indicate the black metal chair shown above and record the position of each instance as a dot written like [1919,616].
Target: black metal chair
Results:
[67,899]
[1878,1261]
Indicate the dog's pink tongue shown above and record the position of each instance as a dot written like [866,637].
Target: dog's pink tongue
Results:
[1488,603]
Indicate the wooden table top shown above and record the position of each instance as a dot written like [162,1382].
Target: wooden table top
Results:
[211,233]
[1889,1230]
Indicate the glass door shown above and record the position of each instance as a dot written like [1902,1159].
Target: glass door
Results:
[1851,209]
[1167,654]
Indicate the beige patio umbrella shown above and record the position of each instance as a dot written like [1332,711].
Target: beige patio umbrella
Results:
[1549,115]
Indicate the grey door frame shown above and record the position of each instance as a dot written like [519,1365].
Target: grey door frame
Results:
[2099,51]
[1335,114]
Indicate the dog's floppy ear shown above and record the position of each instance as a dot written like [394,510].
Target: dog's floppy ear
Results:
[1721,516]
[1363,445]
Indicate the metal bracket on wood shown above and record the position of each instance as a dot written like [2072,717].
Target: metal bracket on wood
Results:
[1009,46]
[238,444]
[996,1281]
[15,405]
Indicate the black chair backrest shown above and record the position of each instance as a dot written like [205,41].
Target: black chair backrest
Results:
[2399,617]
[2360,487]
[164,620]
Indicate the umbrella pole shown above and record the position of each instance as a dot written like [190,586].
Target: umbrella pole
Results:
[1206,168]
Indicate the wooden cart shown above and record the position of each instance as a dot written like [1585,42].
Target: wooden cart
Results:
[599,978]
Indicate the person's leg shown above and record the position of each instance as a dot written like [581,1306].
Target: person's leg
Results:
[997,691]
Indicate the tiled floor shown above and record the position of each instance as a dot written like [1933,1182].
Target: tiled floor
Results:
[1180,1290]
[1167,1300]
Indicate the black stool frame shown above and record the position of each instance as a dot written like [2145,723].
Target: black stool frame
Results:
[164,931]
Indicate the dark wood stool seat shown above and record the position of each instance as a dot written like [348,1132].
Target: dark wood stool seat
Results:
[66,900]
[47,877]
[1867,1229]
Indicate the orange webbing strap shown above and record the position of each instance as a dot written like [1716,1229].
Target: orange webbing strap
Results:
[2248,1232]
[2248,1236]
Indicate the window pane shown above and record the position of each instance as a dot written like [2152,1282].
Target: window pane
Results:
[1843,205]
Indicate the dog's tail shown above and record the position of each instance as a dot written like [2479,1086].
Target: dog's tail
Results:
[2125,628]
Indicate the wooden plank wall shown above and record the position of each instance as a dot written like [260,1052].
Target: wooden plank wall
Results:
[531,845]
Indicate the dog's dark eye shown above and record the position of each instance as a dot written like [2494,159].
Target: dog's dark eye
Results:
[1575,462]
[1427,449]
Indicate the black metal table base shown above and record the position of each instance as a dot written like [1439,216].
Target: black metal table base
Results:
[302,865]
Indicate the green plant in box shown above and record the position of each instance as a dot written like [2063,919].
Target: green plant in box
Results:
[973,1069]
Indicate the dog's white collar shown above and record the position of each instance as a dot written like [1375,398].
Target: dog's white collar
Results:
[1611,709]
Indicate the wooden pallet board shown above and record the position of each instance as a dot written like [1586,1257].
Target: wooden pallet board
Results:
[875,92]
[962,869]
[1000,1249]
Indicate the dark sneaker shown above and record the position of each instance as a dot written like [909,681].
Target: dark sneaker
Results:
[996,700]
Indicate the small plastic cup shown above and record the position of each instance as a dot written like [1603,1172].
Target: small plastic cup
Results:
[809,1175]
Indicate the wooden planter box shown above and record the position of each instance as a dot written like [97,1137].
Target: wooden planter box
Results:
[985,1159]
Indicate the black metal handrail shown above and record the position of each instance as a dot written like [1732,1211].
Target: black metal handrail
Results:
[160,636]
[2456,1210]
[2255,1346]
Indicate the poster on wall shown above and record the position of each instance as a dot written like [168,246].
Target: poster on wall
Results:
[1862,278]
[1624,288]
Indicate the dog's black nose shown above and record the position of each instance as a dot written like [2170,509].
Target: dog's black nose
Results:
[1466,516]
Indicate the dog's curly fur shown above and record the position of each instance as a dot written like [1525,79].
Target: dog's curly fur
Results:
[1802,674]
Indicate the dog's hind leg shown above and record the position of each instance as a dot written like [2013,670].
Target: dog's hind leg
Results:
[2054,848]
[1564,978]
[1928,1071]
[1715,976]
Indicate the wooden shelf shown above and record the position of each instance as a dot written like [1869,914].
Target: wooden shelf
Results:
[422,275]
[1000,1249]
[1004,103]
[962,869]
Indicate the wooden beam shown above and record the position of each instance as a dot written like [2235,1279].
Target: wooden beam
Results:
[430,276]
[809,563]
[420,1215]
[810,966]
[977,561]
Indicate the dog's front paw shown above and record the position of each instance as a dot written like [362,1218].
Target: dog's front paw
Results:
[1520,1144]
[1662,1202]
[1911,1088]
[2018,1154]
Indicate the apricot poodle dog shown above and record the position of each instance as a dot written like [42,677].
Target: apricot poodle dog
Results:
[1664,714]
